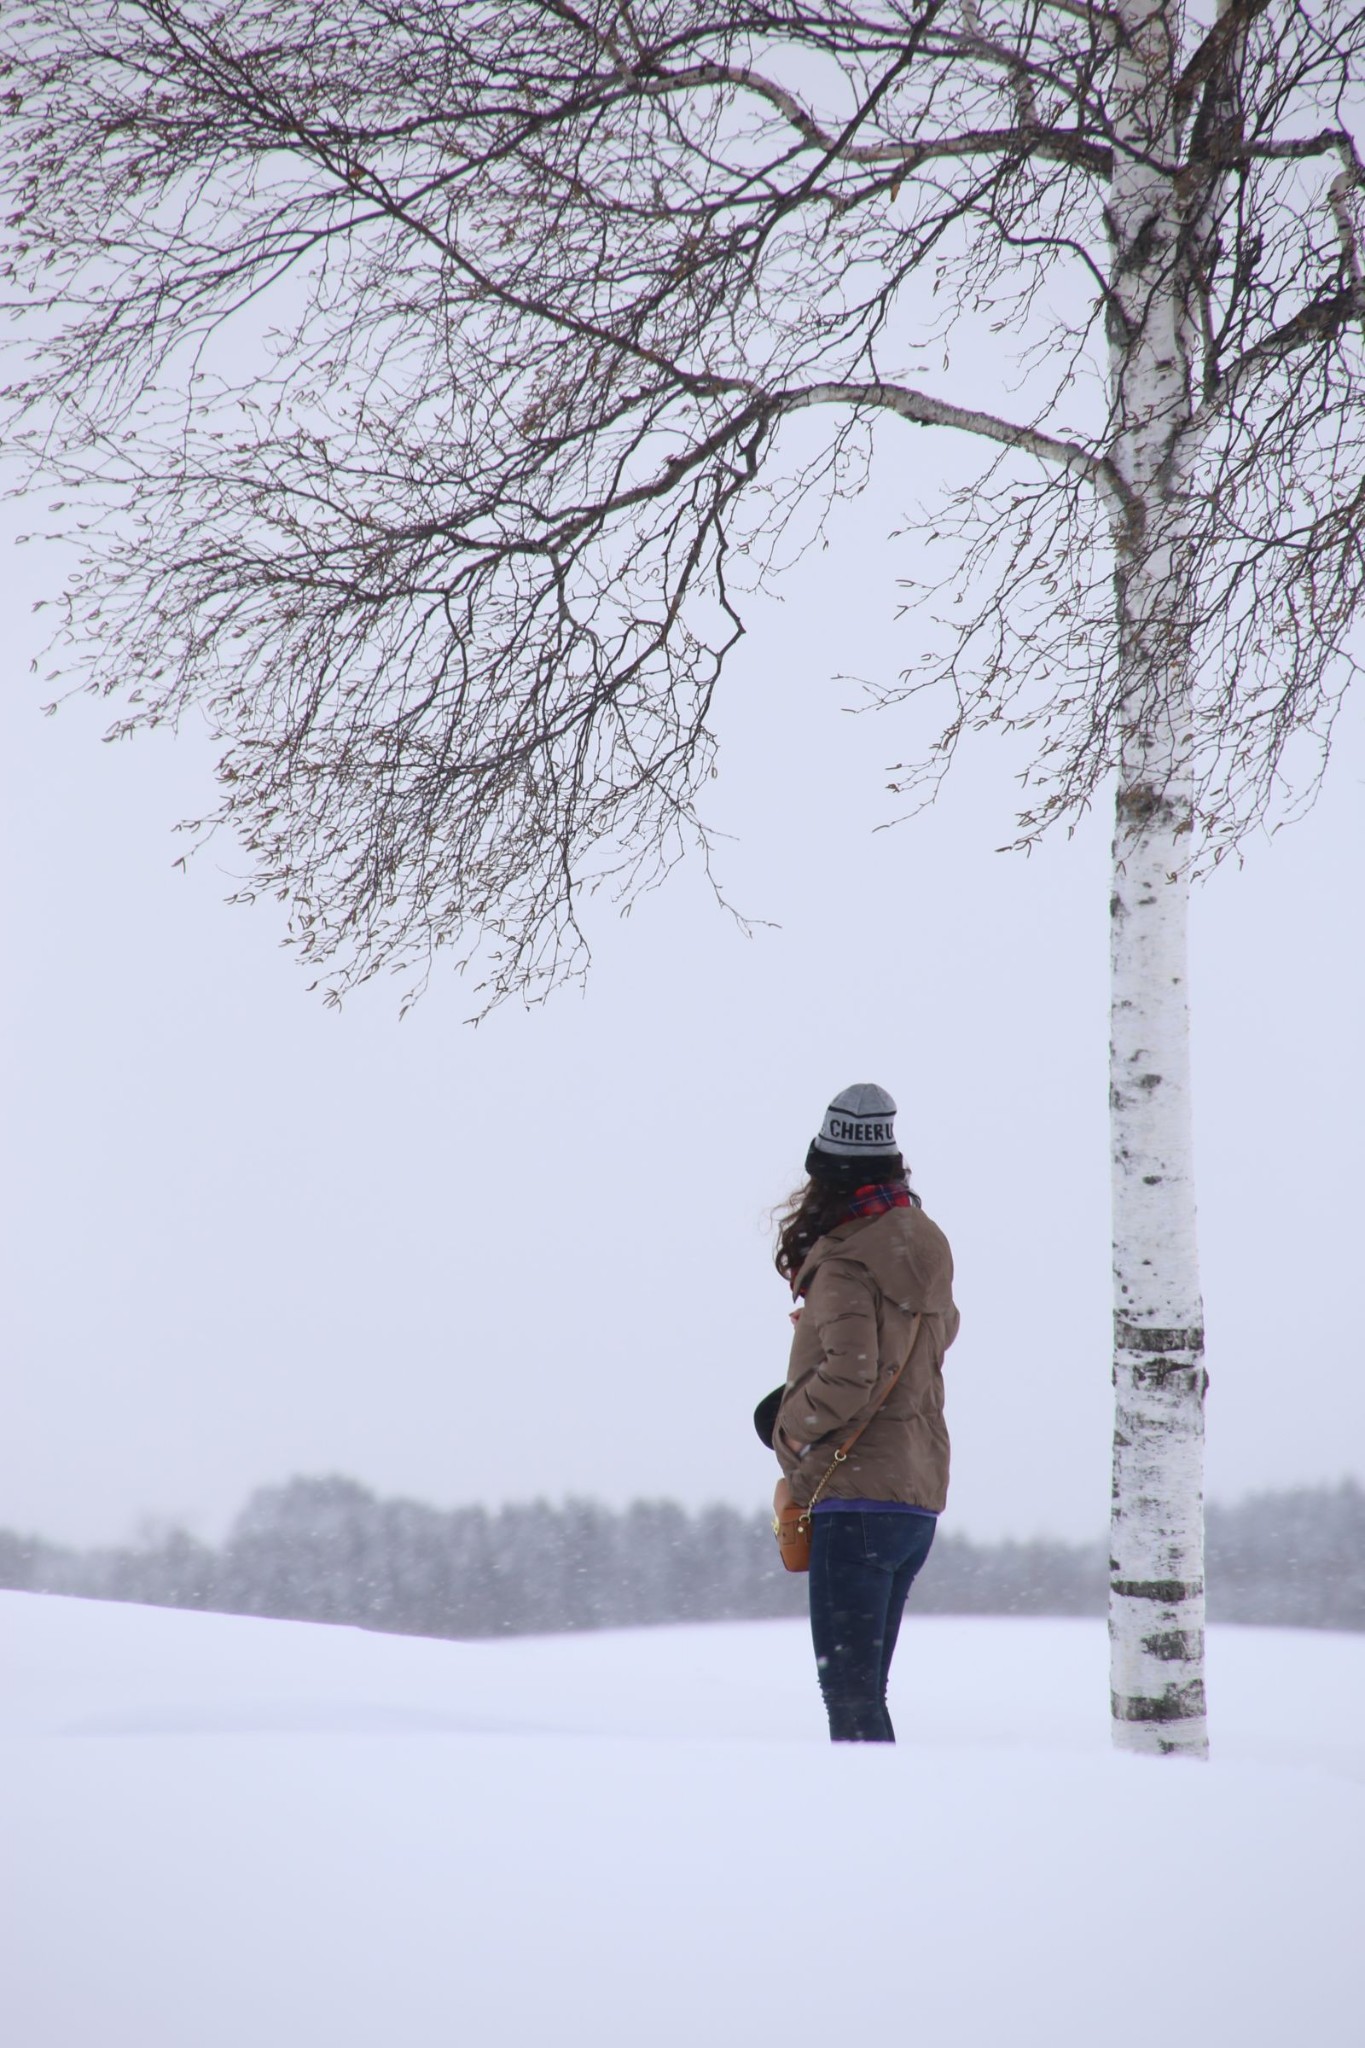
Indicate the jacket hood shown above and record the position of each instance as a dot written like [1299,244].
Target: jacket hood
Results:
[886,1245]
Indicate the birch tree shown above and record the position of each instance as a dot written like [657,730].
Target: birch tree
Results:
[425,376]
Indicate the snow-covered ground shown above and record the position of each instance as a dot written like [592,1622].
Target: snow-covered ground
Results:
[225,1833]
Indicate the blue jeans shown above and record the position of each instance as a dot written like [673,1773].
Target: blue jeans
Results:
[862,1566]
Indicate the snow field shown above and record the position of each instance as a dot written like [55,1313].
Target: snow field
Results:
[228,1833]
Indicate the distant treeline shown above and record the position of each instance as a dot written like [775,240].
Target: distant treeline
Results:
[328,1550]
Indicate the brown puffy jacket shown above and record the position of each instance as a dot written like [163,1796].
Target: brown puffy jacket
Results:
[863,1284]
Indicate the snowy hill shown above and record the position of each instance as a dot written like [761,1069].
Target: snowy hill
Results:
[229,1833]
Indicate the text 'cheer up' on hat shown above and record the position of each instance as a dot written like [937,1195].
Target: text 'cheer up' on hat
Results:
[859,1126]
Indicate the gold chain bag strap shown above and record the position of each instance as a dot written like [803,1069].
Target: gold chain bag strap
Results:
[792,1526]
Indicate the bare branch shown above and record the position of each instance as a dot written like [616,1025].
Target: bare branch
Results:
[1340,195]
[1025,140]
[1322,320]
[1297,148]
[1234,18]
[926,411]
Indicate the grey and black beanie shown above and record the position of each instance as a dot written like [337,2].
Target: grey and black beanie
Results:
[857,1140]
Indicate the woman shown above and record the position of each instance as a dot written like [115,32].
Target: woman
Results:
[873,1281]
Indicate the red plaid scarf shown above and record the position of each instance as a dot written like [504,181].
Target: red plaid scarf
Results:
[877,1198]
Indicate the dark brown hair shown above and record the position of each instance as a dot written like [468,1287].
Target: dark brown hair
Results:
[818,1205]
[813,1209]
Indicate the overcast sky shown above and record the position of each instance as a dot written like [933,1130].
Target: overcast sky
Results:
[245,1236]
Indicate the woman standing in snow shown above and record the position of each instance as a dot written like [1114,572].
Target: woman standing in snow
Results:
[872,1277]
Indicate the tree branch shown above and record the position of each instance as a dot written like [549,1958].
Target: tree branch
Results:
[1050,145]
[1323,319]
[1327,142]
[1339,199]
[1236,17]
[938,412]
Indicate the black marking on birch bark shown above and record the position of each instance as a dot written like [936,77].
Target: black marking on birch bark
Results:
[1152,1339]
[1149,1081]
[1169,1592]
[1151,1180]
[1175,1645]
[1163,1373]
[1142,804]
[1143,247]
[1178,1703]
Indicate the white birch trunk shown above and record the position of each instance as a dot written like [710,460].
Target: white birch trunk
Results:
[1156,1588]
[1156,1599]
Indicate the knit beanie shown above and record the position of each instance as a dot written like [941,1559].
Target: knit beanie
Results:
[857,1140]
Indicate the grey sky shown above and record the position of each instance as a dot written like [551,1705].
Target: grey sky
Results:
[246,1236]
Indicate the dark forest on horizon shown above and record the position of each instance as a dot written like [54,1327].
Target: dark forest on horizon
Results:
[328,1549]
